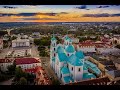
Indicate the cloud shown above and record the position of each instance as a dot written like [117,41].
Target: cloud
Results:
[10,7]
[19,14]
[105,6]
[82,7]
[101,15]
[39,18]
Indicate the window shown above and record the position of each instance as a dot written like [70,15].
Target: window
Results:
[54,54]
[68,54]
[54,49]
[61,75]
[72,68]
[67,65]
[79,69]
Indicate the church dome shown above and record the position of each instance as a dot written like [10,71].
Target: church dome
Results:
[79,54]
[60,50]
[74,60]
[70,49]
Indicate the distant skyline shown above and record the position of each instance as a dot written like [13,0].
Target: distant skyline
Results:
[59,13]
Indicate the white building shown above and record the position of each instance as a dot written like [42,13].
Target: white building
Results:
[4,63]
[27,63]
[21,43]
[75,40]
[68,64]
[86,47]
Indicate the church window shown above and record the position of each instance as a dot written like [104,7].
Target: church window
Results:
[72,68]
[67,65]
[79,69]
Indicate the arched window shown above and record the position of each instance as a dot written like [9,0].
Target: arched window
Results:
[72,68]
[79,70]
[68,54]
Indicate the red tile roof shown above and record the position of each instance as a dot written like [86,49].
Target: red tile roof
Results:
[6,60]
[26,61]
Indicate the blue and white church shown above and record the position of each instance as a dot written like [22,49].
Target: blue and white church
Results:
[68,63]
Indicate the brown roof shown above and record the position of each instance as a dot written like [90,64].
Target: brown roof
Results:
[6,60]
[26,61]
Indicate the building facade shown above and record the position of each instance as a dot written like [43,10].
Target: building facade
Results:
[68,64]
[21,43]
[4,63]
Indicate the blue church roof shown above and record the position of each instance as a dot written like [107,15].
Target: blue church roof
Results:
[62,57]
[93,67]
[67,38]
[73,60]
[67,79]
[70,49]
[88,76]
[53,38]
[79,54]
[60,50]
[65,70]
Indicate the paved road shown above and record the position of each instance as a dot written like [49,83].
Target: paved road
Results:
[48,68]
[8,82]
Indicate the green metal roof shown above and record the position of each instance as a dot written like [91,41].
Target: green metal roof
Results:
[68,79]
[73,60]
[88,76]
[53,38]
[65,70]
[70,49]
[79,54]
[62,57]
[60,50]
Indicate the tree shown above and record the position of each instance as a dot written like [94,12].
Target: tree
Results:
[55,82]
[23,81]
[13,38]
[19,73]
[37,41]
[11,68]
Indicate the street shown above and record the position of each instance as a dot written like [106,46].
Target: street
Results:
[48,69]
[8,82]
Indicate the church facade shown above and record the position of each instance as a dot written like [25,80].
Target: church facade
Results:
[68,64]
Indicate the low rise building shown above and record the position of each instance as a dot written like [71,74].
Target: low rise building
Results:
[4,63]
[27,63]
[21,43]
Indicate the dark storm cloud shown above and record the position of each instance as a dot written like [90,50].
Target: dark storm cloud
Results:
[19,14]
[82,7]
[102,15]
[10,7]
[31,14]
[106,6]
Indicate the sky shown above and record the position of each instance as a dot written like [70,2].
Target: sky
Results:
[59,13]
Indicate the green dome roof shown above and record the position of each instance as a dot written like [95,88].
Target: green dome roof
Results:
[65,70]
[74,60]
[67,38]
[70,49]
[62,57]
[60,50]
[79,54]
[53,38]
